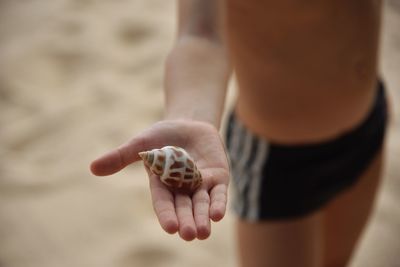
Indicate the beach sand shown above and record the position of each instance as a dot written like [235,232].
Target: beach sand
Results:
[79,77]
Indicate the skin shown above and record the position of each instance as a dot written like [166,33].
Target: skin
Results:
[318,60]
[306,73]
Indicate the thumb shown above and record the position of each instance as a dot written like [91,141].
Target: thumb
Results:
[160,134]
[117,159]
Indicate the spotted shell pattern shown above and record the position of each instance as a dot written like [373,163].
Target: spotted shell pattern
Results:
[174,166]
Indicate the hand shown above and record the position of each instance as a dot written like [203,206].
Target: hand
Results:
[188,214]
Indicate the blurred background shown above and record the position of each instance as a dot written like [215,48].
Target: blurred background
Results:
[78,77]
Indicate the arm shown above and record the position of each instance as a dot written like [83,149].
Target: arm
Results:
[197,68]
[195,83]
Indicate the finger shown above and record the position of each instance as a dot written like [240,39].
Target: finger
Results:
[184,211]
[201,204]
[218,197]
[163,204]
[119,158]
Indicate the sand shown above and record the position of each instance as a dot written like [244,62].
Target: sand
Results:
[78,77]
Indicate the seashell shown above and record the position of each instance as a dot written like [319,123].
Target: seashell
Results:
[174,166]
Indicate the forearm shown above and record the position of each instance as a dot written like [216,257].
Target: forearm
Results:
[196,77]
[197,68]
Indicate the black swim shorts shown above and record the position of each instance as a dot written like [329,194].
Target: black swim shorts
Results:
[273,181]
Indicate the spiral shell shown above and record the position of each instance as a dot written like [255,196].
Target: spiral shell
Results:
[174,166]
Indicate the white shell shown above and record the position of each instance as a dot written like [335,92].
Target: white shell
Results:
[174,166]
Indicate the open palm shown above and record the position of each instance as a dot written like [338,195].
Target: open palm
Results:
[188,214]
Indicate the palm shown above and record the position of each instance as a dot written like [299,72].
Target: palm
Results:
[175,211]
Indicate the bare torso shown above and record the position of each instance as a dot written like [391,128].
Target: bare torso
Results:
[306,70]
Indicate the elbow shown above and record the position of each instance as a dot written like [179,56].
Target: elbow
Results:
[204,30]
[201,30]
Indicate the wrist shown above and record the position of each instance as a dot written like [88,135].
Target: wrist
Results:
[193,114]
